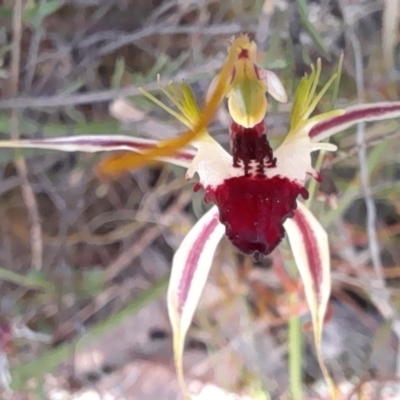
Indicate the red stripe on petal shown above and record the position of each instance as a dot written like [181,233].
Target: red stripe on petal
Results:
[311,245]
[97,141]
[355,115]
[184,156]
[193,260]
[109,143]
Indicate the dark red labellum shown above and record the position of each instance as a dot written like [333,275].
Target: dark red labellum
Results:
[253,206]
[253,210]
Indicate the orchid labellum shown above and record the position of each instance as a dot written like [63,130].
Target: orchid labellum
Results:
[256,189]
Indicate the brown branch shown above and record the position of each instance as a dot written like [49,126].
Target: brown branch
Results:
[194,74]
[27,191]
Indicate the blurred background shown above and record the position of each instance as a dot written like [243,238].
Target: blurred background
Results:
[84,261]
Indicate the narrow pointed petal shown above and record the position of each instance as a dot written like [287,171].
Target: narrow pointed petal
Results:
[97,143]
[190,269]
[310,248]
[352,116]
[274,85]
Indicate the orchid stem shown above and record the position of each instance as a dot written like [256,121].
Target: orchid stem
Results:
[295,352]
[295,340]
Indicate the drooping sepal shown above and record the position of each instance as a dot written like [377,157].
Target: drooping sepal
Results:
[310,247]
[190,269]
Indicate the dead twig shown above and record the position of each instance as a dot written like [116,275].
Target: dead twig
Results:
[119,40]
[391,17]
[106,95]
[125,259]
[27,191]
[363,161]
[151,234]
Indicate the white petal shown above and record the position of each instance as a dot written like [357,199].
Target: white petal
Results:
[97,143]
[274,85]
[310,247]
[294,157]
[190,269]
[212,163]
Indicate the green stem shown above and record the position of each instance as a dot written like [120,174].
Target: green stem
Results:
[295,353]
[30,282]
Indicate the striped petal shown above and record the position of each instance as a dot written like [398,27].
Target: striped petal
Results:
[190,269]
[309,243]
[353,115]
[97,143]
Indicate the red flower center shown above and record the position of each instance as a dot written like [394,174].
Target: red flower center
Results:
[253,210]
[254,207]
[250,148]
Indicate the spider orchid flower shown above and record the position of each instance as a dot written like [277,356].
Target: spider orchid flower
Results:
[255,189]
